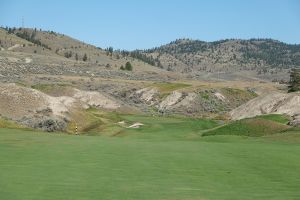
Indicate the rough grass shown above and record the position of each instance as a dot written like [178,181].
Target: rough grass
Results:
[260,126]
[87,121]
[283,119]
[36,165]
[52,89]
[237,92]
[237,97]
[166,88]
[5,123]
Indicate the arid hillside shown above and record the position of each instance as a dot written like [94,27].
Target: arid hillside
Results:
[228,59]
[50,46]
[50,76]
[261,58]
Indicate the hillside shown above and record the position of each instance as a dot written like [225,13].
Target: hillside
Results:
[40,103]
[54,45]
[264,58]
[220,60]
[48,71]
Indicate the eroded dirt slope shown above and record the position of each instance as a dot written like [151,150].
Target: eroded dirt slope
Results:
[274,102]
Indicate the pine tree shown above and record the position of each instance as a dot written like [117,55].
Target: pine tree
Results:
[294,80]
[84,57]
[128,66]
[110,50]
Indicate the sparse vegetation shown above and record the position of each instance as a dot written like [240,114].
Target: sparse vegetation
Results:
[31,38]
[68,54]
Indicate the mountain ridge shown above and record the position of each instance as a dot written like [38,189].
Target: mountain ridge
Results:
[248,54]
[230,58]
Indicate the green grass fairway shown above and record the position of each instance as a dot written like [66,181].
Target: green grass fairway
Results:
[44,166]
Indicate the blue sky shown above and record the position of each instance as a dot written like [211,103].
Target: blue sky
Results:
[140,24]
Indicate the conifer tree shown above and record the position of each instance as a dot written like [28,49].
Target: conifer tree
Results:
[294,80]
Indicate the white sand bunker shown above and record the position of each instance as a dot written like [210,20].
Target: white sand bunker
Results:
[136,125]
[220,96]
[28,60]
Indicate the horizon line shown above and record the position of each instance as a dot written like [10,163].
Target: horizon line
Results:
[163,44]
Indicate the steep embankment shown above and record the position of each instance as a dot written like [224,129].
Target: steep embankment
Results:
[272,103]
[33,108]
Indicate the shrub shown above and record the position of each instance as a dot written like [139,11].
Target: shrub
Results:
[84,57]
[51,124]
[128,66]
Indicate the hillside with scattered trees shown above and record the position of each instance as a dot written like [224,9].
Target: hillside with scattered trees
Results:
[260,55]
[259,58]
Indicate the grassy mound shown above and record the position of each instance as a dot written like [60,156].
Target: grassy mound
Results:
[259,126]
[283,119]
